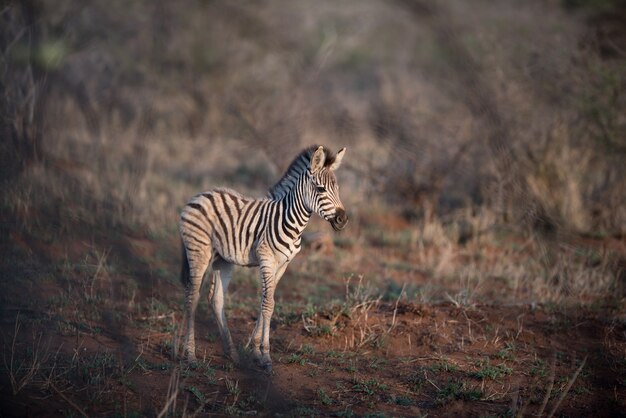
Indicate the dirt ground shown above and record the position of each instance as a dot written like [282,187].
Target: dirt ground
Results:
[431,360]
[110,348]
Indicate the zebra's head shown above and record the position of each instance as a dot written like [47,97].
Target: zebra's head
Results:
[323,190]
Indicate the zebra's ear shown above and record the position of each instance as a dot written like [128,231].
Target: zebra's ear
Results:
[317,160]
[337,163]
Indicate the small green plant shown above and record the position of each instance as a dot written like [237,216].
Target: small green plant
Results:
[324,398]
[321,330]
[196,392]
[295,358]
[403,401]
[443,366]
[208,372]
[247,402]
[378,363]
[416,381]
[458,390]
[96,370]
[233,387]
[232,410]
[368,387]
[352,366]
[307,349]
[539,369]
[335,354]
[488,371]
[507,352]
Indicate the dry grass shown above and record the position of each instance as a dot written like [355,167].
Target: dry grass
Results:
[158,141]
[24,364]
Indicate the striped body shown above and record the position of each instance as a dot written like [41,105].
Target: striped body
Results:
[221,228]
[235,224]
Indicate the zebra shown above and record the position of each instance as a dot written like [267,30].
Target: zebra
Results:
[221,228]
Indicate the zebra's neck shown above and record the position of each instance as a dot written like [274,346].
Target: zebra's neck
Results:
[296,214]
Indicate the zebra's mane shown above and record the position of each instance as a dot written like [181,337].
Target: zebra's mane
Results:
[295,170]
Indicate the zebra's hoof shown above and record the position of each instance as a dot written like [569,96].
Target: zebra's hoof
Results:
[263,363]
[267,367]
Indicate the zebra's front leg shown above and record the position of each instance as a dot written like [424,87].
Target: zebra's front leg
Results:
[261,334]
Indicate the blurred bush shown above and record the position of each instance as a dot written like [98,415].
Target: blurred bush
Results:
[515,108]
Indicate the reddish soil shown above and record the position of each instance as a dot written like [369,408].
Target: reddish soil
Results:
[438,360]
[105,347]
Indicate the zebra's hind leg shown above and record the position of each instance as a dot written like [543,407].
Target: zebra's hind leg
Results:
[222,272]
[198,261]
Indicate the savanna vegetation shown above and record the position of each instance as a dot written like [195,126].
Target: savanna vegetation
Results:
[483,272]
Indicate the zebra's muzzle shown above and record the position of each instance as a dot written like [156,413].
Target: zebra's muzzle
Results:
[340,220]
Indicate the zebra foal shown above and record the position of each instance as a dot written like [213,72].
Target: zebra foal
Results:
[221,228]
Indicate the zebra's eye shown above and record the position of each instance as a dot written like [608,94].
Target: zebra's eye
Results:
[321,189]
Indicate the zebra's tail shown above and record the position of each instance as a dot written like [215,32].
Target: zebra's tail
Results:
[184,271]
[209,295]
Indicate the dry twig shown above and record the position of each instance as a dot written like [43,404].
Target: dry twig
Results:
[550,386]
[567,388]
